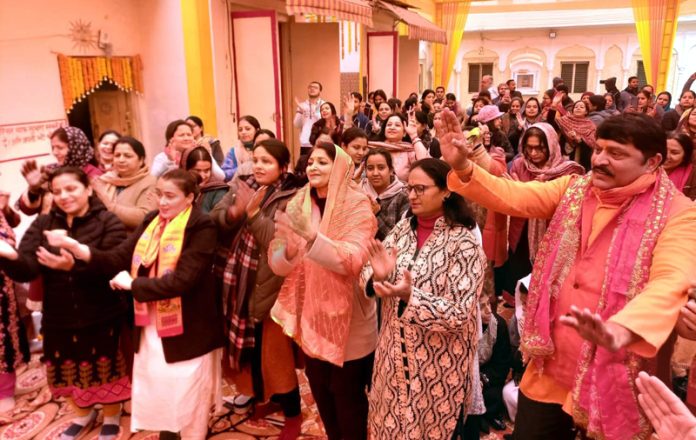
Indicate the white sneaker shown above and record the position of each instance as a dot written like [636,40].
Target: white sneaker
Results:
[241,403]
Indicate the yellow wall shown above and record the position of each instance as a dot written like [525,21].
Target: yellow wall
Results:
[199,62]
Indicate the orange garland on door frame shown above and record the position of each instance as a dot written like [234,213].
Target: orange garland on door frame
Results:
[80,76]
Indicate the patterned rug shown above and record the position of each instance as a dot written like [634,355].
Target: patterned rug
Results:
[38,416]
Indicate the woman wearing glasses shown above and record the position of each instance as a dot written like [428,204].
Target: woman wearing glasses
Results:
[428,272]
[541,160]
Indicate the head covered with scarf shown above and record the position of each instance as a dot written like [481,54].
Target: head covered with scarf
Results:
[315,304]
[581,125]
[80,150]
[524,170]
[555,166]
[684,127]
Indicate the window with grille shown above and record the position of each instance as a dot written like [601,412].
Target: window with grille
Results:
[575,76]
[476,71]
[642,80]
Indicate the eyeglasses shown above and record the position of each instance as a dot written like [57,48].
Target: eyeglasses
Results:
[419,189]
[539,149]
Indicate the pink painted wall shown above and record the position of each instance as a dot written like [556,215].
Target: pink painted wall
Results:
[30,31]
[222,73]
[33,31]
[407,80]
[257,72]
[164,71]
[380,63]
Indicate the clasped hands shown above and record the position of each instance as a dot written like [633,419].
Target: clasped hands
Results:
[71,249]
[247,202]
[670,417]
[383,263]
[292,230]
[64,261]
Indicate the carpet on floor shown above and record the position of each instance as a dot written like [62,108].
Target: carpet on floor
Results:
[38,416]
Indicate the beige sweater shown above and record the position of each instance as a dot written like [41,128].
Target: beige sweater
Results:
[135,200]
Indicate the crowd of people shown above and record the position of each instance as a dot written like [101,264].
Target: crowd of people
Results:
[379,262]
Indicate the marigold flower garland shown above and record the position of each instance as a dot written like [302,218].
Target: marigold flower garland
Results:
[80,76]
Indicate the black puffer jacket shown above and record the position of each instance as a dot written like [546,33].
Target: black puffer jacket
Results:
[77,298]
[192,280]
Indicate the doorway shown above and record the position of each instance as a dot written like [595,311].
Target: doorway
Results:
[107,108]
[256,67]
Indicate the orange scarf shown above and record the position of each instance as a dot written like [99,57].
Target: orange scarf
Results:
[167,237]
[315,305]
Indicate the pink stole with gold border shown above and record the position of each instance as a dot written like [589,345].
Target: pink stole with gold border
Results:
[604,394]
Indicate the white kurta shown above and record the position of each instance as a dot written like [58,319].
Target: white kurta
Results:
[172,397]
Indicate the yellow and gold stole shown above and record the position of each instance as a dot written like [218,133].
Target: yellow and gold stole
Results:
[159,248]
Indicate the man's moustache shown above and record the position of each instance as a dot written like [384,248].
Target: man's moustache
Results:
[603,170]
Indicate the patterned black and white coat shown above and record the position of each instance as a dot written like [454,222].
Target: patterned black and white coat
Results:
[425,351]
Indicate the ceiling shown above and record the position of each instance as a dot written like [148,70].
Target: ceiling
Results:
[688,7]
[521,14]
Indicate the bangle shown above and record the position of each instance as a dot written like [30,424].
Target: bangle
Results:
[416,139]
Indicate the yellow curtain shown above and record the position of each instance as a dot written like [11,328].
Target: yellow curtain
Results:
[656,24]
[451,16]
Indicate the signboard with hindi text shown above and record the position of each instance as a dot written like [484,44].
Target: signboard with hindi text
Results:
[20,142]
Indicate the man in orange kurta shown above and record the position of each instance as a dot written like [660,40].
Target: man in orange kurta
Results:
[625,166]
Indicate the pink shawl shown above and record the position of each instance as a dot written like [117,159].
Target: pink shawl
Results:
[604,395]
[315,305]
[583,127]
[525,171]
[680,175]
[403,155]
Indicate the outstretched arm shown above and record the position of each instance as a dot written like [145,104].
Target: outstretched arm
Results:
[689,82]
[686,324]
[606,334]
[509,197]
[529,199]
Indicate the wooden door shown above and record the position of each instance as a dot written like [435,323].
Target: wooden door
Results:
[110,110]
[257,67]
